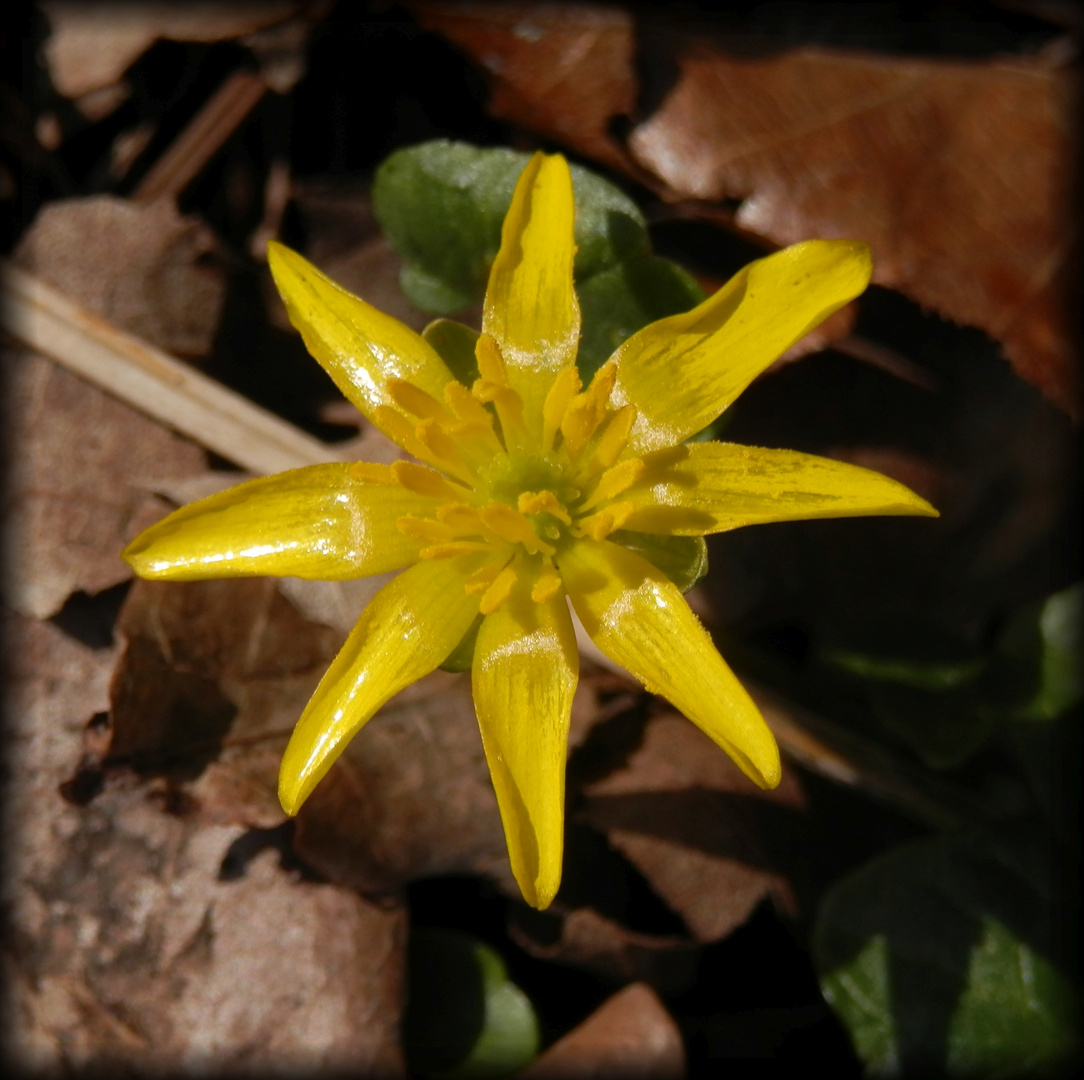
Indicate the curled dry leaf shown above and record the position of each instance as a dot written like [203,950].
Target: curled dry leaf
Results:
[128,952]
[629,1035]
[701,834]
[563,70]
[212,679]
[73,497]
[144,268]
[92,45]
[957,174]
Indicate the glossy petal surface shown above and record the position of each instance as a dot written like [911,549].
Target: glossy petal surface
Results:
[531,308]
[711,487]
[524,675]
[359,347]
[321,522]
[407,630]
[683,371]
[639,619]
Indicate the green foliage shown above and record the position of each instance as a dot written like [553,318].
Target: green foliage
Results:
[947,708]
[441,205]
[937,958]
[683,559]
[465,1020]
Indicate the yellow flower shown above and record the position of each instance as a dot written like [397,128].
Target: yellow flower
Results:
[527,489]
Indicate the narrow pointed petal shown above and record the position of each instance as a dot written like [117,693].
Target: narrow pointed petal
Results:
[683,371]
[531,308]
[321,522]
[407,630]
[360,347]
[524,675]
[639,619]
[712,487]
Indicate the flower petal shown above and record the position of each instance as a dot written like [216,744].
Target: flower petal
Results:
[321,522]
[407,630]
[524,675]
[531,308]
[359,347]
[683,371]
[639,619]
[712,487]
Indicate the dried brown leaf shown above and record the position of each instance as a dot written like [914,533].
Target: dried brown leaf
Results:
[92,45]
[564,70]
[957,173]
[630,1035]
[128,951]
[73,497]
[695,827]
[212,679]
[144,268]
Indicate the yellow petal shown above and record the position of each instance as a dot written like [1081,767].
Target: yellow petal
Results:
[407,630]
[524,675]
[711,487]
[683,371]
[531,308]
[321,522]
[639,619]
[359,347]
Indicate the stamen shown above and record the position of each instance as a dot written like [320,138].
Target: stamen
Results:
[498,592]
[453,549]
[514,527]
[443,450]
[615,480]
[537,502]
[422,480]
[414,400]
[424,528]
[565,387]
[548,585]
[615,435]
[490,362]
[375,474]
[599,526]
[481,580]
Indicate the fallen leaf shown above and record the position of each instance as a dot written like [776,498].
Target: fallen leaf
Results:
[143,267]
[630,1035]
[211,681]
[91,46]
[128,951]
[563,70]
[695,827]
[957,173]
[73,498]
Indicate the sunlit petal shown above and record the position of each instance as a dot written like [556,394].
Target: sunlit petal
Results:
[321,522]
[639,619]
[531,308]
[712,487]
[524,676]
[407,630]
[359,347]
[683,371]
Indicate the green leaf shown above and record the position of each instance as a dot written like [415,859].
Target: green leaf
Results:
[623,298]
[462,656]
[1040,651]
[936,957]
[904,672]
[683,559]
[465,1020]
[455,344]
[442,204]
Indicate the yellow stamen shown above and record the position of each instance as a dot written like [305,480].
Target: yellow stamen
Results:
[615,480]
[498,592]
[422,480]
[599,526]
[490,362]
[375,474]
[537,502]
[565,387]
[514,527]
[481,580]
[424,528]
[615,435]
[548,585]
[453,549]
[414,400]
[442,450]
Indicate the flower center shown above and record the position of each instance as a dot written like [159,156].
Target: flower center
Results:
[514,486]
